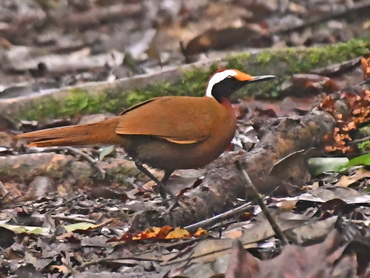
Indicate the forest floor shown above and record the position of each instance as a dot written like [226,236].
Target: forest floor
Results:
[90,213]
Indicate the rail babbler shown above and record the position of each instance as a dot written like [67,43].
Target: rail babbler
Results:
[168,133]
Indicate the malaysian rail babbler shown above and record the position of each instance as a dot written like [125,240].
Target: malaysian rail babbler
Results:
[168,133]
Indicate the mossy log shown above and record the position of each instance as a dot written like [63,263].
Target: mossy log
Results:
[98,97]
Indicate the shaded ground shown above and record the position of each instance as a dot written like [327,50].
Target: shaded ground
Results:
[60,43]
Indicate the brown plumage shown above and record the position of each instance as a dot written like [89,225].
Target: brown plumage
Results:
[167,133]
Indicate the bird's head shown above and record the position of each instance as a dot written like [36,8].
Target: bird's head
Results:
[225,82]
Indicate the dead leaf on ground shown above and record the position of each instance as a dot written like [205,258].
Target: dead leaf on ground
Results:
[320,260]
[354,178]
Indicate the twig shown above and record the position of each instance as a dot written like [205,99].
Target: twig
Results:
[73,219]
[75,151]
[218,218]
[361,140]
[3,191]
[106,260]
[5,196]
[257,198]
[65,203]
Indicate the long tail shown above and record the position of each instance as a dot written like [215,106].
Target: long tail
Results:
[100,133]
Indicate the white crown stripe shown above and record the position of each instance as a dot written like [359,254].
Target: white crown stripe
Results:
[216,78]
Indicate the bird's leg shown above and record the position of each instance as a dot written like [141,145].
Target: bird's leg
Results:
[163,190]
[164,180]
[174,198]
[166,177]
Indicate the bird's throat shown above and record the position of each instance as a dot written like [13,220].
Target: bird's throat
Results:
[226,103]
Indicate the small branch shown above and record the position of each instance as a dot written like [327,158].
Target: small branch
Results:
[107,260]
[75,151]
[3,191]
[5,196]
[259,201]
[361,140]
[218,218]
[63,204]
[73,219]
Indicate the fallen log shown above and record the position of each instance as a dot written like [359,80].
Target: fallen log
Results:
[98,97]
[219,190]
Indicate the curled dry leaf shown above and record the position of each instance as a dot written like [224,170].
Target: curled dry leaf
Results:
[365,64]
[358,175]
[178,233]
[358,114]
[166,232]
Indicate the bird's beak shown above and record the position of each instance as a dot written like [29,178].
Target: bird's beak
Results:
[261,78]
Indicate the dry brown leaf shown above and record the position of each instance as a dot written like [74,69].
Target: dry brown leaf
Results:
[346,181]
[200,232]
[316,261]
[178,233]
[365,64]
[60,268]
[287,205]
[312,186]
[358,115]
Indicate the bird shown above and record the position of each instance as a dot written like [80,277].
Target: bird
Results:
[167,133]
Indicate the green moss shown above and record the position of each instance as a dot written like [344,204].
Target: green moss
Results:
[77,100]
[364,147]
[363,132]
[263,58]
[282,62]
[236,61]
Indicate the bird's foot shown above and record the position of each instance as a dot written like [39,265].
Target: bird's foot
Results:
[169,209]
[163,191]
[170,200]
